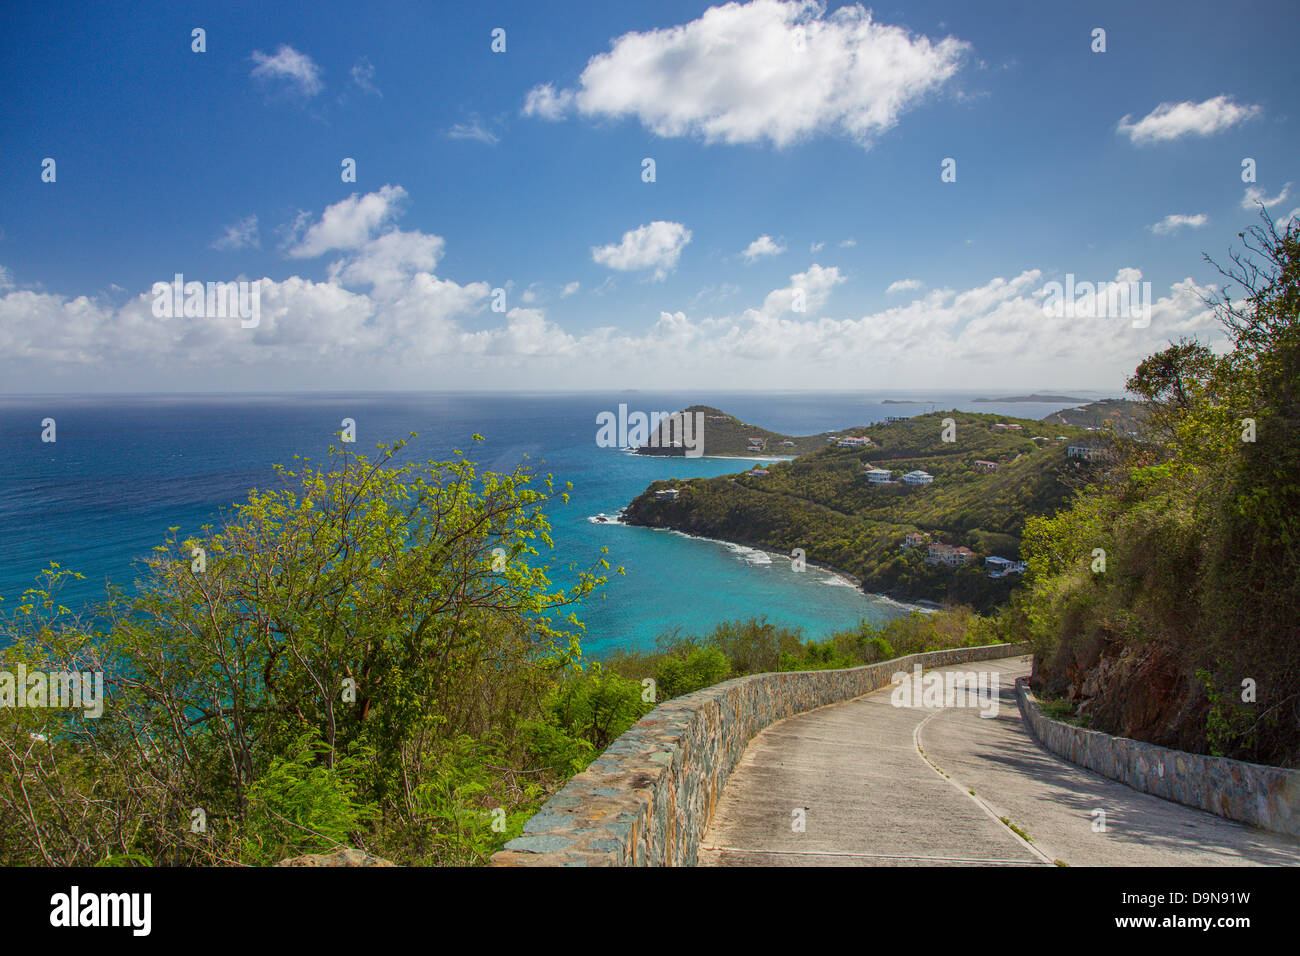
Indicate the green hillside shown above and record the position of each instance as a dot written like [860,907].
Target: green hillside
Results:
[823,503]
[1121,414]
[1164,603]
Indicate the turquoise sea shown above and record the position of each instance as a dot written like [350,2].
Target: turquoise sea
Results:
[124,468]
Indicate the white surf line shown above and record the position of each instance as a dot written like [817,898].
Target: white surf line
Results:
[867,856]
[965,791]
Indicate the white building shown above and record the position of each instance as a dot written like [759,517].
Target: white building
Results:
[1001,567]
[667,494]
[878,476]
[1085,451]
[953,557]
[918,478]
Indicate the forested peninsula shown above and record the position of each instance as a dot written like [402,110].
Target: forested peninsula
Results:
[960,484]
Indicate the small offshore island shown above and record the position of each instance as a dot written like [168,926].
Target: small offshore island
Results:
[912,516]
[1026,399]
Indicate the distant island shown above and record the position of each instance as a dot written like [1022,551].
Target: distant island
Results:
[905,401]
[1035,398]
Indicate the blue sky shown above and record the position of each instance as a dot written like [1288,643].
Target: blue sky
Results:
[821,129]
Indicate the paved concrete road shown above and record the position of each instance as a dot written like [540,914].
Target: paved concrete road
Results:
[880,785]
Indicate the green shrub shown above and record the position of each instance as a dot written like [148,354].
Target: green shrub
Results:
[301,805]
[701,667]
[594,706]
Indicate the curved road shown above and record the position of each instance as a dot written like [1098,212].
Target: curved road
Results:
[880,785]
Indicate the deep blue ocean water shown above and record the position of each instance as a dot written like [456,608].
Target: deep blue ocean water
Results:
[126,468]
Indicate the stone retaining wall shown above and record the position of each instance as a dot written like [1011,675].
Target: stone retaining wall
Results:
[1266,797]
[647,800]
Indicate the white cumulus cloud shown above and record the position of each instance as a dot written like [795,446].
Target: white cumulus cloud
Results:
[770,70]
[425,328]
[389,258]
[296,69]
[655,246]
[1175,222]
[1256,195]
[546,103]
[903,285]
[764,245]
[1171,120]
[348,223]
[812,288]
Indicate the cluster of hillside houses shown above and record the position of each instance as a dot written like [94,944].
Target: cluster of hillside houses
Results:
[760,444]
[1084,451]
[881,476]
[937,552]
[956,556]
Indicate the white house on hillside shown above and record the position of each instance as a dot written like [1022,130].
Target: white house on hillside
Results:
[1001,567]
[1085,451]
[918,478]
[878,476]
[953,557]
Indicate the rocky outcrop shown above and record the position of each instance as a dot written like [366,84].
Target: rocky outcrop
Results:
[1144,693]
[347,857]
